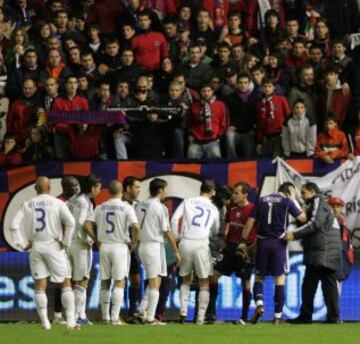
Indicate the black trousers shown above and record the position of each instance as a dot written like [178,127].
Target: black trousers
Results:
[314,274]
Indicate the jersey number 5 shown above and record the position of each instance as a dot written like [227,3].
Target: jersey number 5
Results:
[109,221]
[40,220]
[197,219]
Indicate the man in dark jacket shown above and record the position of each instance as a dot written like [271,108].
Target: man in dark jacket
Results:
[322,253]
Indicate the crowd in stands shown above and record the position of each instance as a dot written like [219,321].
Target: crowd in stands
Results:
[251,78]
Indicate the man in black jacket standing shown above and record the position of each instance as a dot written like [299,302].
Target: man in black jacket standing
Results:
[322,253]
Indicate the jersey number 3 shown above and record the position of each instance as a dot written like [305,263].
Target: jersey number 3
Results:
[197,220]
[40,220]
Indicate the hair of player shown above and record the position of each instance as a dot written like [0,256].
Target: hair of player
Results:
[207,186]
[88,183]
[115,188]
[156,185]
[311,187]
[129,181]
[223,193]
[285,188]
[245,187]
[66,181]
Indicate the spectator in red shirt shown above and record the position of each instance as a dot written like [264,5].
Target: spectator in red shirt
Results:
[70,102]
[271,113]
[208,121]
[331,143]
[9,156]
[21,114]
[150,47]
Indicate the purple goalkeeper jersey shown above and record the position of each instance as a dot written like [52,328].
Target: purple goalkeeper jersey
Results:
[272,213]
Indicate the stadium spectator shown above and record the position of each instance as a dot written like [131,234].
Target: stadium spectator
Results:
[37,147]
[9,155]
[207,123]
[299,133]
[331,143]
[21,112]
[271,113]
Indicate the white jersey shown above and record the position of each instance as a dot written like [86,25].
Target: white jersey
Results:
[82,209]
[113,219]
[43,217]
[153,218]
[201,219]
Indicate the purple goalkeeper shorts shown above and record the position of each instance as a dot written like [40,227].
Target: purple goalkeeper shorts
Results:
[271,257]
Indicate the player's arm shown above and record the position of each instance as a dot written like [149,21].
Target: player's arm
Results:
[250,223]
[308,228]
[178,214]
[67,219]
[134,227]
[170,237]
[89,229]
[15,228]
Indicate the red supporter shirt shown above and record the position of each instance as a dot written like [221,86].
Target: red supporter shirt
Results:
[150,48]
[237,216]
[65,104]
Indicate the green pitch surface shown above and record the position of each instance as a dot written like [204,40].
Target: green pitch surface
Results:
[187,334]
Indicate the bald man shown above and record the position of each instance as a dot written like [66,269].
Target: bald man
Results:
[113,219]
[42,219]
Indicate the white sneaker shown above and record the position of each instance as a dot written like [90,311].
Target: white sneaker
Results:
[156,323]
[46,326]
[59,321]
[117,323]
[76,327]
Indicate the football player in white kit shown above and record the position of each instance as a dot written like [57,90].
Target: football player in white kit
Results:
[200,220]
[80,251]
[113,219]
[153,217]
[42,218]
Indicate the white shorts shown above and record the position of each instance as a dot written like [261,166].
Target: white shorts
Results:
[49,260]
[114,261]
[80,256]
[153,258]
[195,256]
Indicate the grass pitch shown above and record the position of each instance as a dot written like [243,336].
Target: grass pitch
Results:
[179,334]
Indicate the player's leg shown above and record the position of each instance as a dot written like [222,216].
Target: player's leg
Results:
[120,260]
[214,290]
[153,298]
[68,303]
[57,306]
[117,299]
[246,299]
[105,276]
[258,294]
[279,298]
[105,296]
[203,269]
[185,271]
[165,288]
[135,286]
[41,302]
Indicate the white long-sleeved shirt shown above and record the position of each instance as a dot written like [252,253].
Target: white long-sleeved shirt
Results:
[200,219]
[43,217]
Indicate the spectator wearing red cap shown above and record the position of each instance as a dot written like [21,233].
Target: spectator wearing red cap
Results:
[337,205]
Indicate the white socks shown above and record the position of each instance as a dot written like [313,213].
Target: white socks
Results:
[41,302]
[144,302]
[153,299]
[184,299]
[203,304]
[117,298]
[105,304]
[68,302]
[80,301]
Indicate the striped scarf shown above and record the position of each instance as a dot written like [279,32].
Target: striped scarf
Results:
[206,114]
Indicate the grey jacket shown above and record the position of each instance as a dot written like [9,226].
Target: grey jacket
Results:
[321,236]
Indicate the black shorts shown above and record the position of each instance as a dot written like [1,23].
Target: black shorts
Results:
[229,263]
[135,264]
